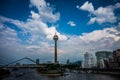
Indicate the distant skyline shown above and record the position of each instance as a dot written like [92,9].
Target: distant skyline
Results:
[27,28]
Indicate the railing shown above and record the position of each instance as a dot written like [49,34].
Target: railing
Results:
[24,66]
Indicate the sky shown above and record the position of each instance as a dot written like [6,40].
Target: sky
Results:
[27,28]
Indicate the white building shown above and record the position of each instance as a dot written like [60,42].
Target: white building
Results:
[89,61]
[93,61]
[101,63]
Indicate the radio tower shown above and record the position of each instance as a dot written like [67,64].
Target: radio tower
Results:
[55,38]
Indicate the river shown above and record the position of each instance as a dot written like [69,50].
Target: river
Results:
[32,74]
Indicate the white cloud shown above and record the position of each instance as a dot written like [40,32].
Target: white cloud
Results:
[91,42]
[40,44]
[86,6]
[7,34]
[101,34]
[40,40]
[35,15]
[102,14]
[116,6]
[92,20]
[71,23]
[78,6]
[68,48]
[47,13]
[51,31]
[41,36]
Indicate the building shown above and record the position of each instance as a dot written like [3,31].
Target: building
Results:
[55,38]
[93,61]
[68,61]
[82,64]
[116,57]
[103,58]
[37,61]
[103,54]
[89,61]
[101,63]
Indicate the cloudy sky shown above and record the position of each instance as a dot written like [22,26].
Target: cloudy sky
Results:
[27,28]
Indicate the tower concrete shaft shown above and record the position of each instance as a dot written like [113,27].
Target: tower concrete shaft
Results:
[55,38]
[55,55]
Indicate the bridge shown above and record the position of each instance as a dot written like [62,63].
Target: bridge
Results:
[35,65]
[25,66]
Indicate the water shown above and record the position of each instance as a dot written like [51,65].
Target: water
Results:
[32,74]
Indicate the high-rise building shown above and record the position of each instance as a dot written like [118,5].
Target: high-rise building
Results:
[55,38]
[89,60]
[93,61]
[103,54]
[102,58]
[82,64]
[116,56]
[101,63]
